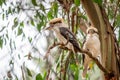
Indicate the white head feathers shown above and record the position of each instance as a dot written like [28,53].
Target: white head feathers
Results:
[91,28]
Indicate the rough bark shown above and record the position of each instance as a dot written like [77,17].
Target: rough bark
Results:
[101,22]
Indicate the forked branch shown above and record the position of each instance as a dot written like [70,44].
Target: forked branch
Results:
[81,51]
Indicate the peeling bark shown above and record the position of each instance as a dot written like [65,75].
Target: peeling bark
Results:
[99,19]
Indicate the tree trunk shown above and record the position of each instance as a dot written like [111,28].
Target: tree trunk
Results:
[99,19]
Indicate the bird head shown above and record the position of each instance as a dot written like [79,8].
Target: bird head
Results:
[91,30]
[56,22]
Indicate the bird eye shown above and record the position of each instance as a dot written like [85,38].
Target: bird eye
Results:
[91,31]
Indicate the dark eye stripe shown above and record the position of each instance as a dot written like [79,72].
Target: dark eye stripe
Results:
[56,22]
[92,31]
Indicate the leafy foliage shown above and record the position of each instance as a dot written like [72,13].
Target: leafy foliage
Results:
[77,2]
[34,2]
[1,42]
[98,1]
[23,23]
[1,2]
[39,77]
[29,72]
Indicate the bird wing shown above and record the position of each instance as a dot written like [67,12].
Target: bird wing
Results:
[69,36]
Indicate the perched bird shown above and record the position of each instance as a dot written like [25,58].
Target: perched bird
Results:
[63,34]
[91,44]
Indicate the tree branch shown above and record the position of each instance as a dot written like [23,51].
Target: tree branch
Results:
[81,51]
[95,60]
[91,12]
[54,45]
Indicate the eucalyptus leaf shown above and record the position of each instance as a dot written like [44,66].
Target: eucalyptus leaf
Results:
[50,14]
[39,26]
[22,24]
[98,1]
[3,16]
[42,7]
[20,31]
[39,77]
[32,22]
[55,8]
[77,2]
[118,20]
[9,10]
[29,72]
[15,23]
[34,2]
[45,74]
[119,36]
[1,2]
[30,39]
[1,42]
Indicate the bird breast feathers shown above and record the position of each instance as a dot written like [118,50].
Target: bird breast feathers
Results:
[92,41]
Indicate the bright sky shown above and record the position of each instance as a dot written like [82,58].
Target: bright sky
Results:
[23,47]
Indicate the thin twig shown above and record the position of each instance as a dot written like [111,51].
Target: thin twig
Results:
[47,77]
[115,13]
[81,51]
[23,77]
[51,47]
[66,66]
[95,60]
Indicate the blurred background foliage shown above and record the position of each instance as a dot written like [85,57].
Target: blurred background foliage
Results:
[24,42]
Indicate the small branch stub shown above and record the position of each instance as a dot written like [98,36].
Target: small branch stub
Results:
[81,51]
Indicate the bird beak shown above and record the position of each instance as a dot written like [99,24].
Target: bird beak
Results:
[48,28]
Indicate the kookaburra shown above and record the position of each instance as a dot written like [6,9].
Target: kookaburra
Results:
[91,44]
[63,34]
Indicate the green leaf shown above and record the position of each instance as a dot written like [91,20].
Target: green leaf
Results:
[119,36]
[19,56]
[20,31]
[3,16]
[77,2]
[118,20]
[29,73]
[39,26]
[45,74]
[82,16]
[15,20]
[87,76]
[73,67]
[50,14]
[18,9]
[32,22]
[34,2]
[9,10]
[15,23]
[39,77]
[7,36]
[22,24]
[98,1]
[55,8]
[1,42]
[1,2]
[11,62]
[111,1]
[42,7]
[2,28]
[76,74]
[30,39]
